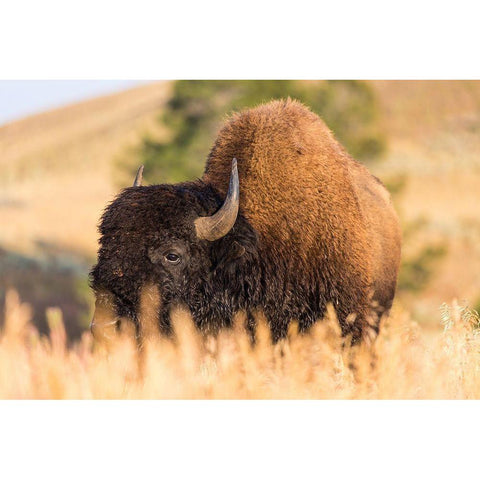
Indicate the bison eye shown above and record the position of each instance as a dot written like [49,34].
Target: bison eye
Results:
[172,258]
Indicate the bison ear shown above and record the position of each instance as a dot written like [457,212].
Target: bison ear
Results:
[236,250]
[229,253]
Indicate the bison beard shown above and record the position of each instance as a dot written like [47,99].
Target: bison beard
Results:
[313,227]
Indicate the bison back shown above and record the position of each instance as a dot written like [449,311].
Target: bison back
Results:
[316,210]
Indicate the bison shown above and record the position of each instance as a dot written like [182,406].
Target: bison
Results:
[283,221]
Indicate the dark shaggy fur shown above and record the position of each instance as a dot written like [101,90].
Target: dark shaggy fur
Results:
[315,227]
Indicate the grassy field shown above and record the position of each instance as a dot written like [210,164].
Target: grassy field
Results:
[406,362]
[58,173]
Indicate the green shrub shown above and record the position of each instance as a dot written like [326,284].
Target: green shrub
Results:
[417,271]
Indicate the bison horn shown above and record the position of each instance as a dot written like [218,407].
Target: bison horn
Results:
[218,225]
[138,177]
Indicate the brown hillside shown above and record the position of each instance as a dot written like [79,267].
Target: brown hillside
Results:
[433,130]
[57,167]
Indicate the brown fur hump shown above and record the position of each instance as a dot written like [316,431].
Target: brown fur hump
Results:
[294,181]
[289,158]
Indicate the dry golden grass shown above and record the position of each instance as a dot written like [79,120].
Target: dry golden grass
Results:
[405,363]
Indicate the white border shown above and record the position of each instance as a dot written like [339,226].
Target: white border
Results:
[248,39]
[233,439]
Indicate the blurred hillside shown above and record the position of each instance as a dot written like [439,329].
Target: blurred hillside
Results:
[57,167]
[433,131]
[60,169]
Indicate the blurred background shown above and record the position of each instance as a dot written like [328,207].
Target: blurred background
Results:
[68,147]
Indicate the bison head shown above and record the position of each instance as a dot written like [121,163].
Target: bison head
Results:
[182,239]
